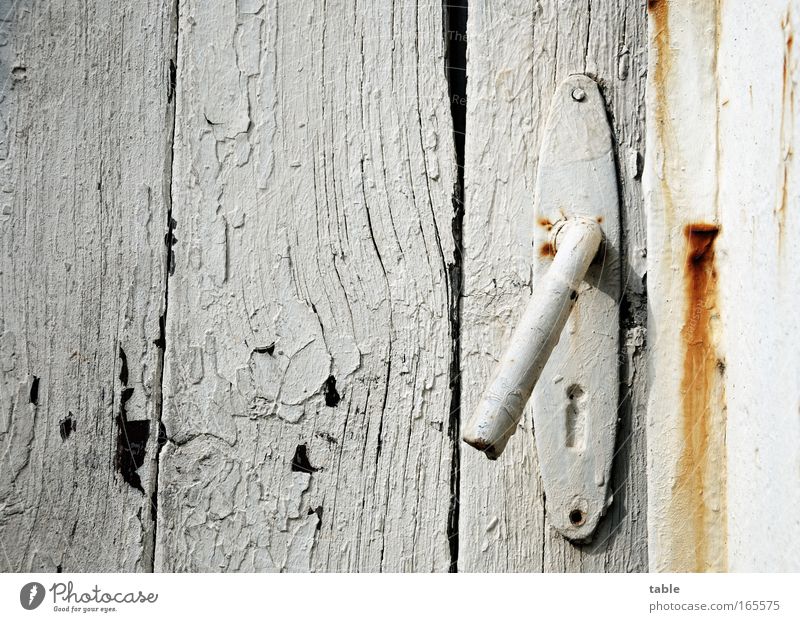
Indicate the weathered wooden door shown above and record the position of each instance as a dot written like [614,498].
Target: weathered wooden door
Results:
[259,258]
[228,287]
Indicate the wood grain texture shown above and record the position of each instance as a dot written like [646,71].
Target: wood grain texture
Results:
[84,136]
[518,52]
[308,339]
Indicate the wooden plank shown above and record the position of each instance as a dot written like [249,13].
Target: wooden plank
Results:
[760,281]
[86,127]
[518,52]
[686,411]
[722,226]
[308,340]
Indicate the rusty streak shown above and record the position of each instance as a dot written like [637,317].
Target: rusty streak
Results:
[659,14]
[699,496]
[659,23]
[695,532]
[787,127]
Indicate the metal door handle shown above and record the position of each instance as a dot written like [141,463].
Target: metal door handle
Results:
[575,241]
[573,376]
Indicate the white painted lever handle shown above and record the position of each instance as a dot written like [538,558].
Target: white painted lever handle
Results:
[576,241]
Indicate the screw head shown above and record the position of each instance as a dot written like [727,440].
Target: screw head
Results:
[577,517]
[578,94]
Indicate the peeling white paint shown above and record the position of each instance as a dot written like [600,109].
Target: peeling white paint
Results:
[84,137]
[313,182]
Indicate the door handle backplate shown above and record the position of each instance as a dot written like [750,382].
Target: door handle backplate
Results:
[576,399]
[574,372]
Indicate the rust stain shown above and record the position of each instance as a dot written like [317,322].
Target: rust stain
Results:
[659,14]
[547,249]
[697,515]
[659,22]
[781,211]
[699,509]
[787,126]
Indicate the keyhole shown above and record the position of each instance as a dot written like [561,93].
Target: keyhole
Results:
[576,417]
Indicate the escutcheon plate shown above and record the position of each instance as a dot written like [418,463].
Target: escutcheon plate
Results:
[575,401]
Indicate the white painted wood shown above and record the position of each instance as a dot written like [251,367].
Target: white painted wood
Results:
[85,126]
[686,412]
[309,345]
[760,281]
[724,433]
[314,174]
[519,51]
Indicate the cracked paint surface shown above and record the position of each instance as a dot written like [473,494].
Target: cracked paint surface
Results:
[84,137]
[314,171]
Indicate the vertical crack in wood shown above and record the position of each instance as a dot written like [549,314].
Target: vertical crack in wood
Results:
[169,268]
[632,347]
[454,14]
